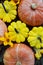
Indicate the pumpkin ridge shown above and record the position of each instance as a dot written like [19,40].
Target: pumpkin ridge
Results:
[17,49]
[24,57]
[21,12]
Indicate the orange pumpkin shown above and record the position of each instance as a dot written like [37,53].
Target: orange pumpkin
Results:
[31,12]
[19,54]
[3,28]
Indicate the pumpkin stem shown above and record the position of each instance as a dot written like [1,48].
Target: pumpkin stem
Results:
[34,6]
[4,7]
[39,39]
[18,63]
[16,30]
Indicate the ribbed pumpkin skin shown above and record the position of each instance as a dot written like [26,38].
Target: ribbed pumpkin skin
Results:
[19,53]
[32,17]
[3,28]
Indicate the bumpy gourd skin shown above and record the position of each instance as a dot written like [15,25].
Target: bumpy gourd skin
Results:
[6,39]
[35,40]
[18,31]
[19,54]
[36,37]
[8,12]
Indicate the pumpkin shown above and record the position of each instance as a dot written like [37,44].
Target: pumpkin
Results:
[8,11]
[35,40]
[18,31]
[19,54]
[6,39]
[3,28]
[35,37]
[31,12]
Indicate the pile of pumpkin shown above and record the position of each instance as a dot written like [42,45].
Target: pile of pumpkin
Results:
[30,13]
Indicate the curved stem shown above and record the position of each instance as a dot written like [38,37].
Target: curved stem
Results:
[4,7]
[39,39]
[16,30]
